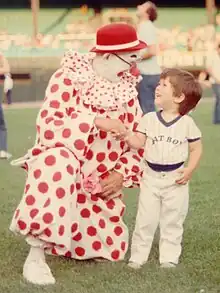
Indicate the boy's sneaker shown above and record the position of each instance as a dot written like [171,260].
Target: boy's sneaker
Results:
[168,265]
[134,265]
[5,155]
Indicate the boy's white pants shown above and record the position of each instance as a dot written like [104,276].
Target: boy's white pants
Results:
[161,202]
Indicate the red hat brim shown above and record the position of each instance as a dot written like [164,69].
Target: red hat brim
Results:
[140,46]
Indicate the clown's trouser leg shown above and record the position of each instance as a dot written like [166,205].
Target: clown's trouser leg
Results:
[164,203]
[47,209]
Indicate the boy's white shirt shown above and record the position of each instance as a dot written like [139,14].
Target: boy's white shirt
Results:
[167,144]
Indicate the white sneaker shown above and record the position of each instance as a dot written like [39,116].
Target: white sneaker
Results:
[134,265]
[168,265]
[5,155]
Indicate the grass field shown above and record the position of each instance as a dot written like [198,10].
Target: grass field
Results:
[199,271]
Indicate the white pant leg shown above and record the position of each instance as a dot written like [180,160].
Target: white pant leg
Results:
[174,209]
[147,221]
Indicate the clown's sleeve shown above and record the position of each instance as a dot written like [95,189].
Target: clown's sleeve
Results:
[130,163]
[58,124]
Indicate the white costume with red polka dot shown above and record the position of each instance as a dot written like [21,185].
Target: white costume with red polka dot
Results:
[56,211]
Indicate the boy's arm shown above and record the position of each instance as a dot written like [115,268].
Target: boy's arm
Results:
[136,140]
[195,153]
[195,149]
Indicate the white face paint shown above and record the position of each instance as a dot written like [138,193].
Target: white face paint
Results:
[110,66]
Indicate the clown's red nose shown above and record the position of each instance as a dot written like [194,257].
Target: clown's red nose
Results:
[134,70]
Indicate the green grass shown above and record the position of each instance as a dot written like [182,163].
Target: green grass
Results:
[200,263]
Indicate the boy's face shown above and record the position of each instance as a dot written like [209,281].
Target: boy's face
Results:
[164,96]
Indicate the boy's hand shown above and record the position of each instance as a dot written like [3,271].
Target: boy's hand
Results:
[185,176]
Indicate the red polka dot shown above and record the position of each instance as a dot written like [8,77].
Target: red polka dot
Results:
[48,134]
[85,213]
[100,157]
[48,120]
[113,156]
[109,241]
[68,254]
[70,169]
[50,160]
[54,88]
[118,231]
[81,198]
[58,74]
[35,226]
[67,81]
[78,237]
[65,96]
[62,211]
[27,188]
[74,227]
[102,168]
[17,212]
[110,204]
[22,225]
[135,169]
[90,139]
[94,197]
[47,203]
[79,144]
[131,103]
[114,219]
[64,154]
[96,209]
[47,232]
[141,152]
[57,176]
[123,245]
[37,173]
[96,245]
[72,188]
[33,213]
[109,145]
[130,117]
[36,152]
[80,251]
[124,160]
[89,155]
[102,223]
[61,230]
[43,187]
[74,116]
[54,104]
[91,231]
[48,218]
[103,134]
[58,122]
[122,144]
[30,200]
[44,113]
[66,133]
[122,211]
[53,251]
[78,186]
[60,192]
[84,127]
[115,254]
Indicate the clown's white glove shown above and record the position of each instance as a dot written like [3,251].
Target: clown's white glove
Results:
[8,83]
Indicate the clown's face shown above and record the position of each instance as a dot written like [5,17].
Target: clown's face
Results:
[111,66]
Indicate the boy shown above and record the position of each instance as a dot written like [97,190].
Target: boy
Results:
[166,135]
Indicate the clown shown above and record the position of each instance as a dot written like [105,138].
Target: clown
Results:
[73,203]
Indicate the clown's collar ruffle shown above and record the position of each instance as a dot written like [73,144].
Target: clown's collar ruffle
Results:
[96,90]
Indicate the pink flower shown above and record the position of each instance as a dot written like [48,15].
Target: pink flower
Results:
[92,184]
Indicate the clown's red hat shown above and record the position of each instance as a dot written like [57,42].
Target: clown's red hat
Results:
[117,37]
